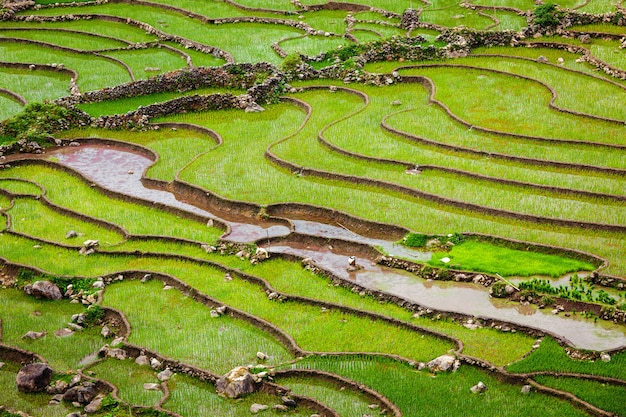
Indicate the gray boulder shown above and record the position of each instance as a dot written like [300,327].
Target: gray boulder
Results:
[444,363]
[33,377]
[478,388]
[236,383]
[46,290]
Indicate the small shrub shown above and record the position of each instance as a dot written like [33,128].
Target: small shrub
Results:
[547,15]
[35,123]
[94,315]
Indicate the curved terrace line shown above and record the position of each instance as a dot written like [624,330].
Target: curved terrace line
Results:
[13,96]
[409,191]
[433,91]
[517,159]
[473,6]
[207,49]
[586,55]
[44,67]
[560,68]
[70,171]
[70,31]
[71,50]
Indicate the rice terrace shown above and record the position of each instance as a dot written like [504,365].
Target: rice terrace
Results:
[312,208]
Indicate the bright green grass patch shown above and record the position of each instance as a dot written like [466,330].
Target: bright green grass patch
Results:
[146,63]
[605,396]
[35,85]
[8,108]
[484,257]
[99,27]
[18,313]
[129,378]
[32,218]
[448,392]
[192,398]
[80,41]
[550,356]
[95,72]
[20,187]
[177,326]
[5,202]
[199,59]
[347,403]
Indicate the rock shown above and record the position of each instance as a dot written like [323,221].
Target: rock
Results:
[146,278]
[280,407]
[221,310]
[95,405]
[257,408]
[605,357]
[254,108]
[261,356]
[59,387]
[236,383]
[228,277]
[91,243]
[214,314]
[119,354]
[165,375]
[82,394]
[560,61]
[71,234]
[106,332]
[99,284]
[33,377]
[288,401]
[584,38]
[34,335]
[542,59]
[65,332]
[75,380]
[444,363]
[396,103]
[46,290]
[272,295]
[478,388]
[155,363]
[509,289]
[526,389]
[142,360]
[151,386]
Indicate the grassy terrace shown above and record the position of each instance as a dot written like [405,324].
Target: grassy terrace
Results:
[494,141]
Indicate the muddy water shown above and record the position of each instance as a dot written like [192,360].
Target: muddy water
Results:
[120,170]
[463,298]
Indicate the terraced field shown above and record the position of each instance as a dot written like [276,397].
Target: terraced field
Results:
[330,195]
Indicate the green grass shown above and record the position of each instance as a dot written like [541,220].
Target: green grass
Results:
[178,327]
[20,187]
[68,191]
[19,315]
[82,42]
[484,257]
[604,396]
[129,378]
[35,85]
[147,63]
[30,217]
[552,357]
[447,393]
[192,398]
[346,402]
